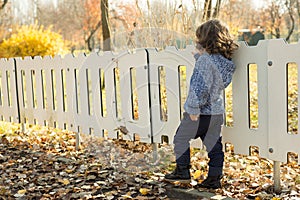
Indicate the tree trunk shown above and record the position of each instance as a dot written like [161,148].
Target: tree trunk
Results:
[105,25]
[217,9]
[3,4]
[88,41]
[207,10]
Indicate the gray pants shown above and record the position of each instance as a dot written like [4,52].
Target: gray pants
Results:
[208,128]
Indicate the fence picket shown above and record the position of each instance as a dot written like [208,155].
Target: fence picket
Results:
[8,92]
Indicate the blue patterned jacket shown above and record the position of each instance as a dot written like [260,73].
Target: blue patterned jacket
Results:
[212,74]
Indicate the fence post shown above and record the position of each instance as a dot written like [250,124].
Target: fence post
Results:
[77,141]
[17,95]
[154,152]
[276,174]
[154,145]
[23,127]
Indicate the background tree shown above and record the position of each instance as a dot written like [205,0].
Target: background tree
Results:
[239,16]
[281,18]
[6,21]
[67,18]
[105,25]
[91,23]
[297,2]
[275,20]
[208,10]
[217,9]
[125,21]
[291,21]
[3,4]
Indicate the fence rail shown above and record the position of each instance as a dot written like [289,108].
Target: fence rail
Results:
[144,91]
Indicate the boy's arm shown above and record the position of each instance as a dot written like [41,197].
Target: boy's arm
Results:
[200,83]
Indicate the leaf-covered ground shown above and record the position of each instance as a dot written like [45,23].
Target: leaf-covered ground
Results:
[42,163]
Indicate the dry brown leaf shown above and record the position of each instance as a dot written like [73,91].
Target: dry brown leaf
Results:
[144,191]
[197,174]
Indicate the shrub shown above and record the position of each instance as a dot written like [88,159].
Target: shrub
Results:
[33,40]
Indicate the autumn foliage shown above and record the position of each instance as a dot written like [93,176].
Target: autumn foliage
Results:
[33,40]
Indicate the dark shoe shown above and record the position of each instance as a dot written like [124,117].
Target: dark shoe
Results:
[211,182]
[181,174]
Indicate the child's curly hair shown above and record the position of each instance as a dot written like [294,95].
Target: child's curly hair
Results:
[215,38]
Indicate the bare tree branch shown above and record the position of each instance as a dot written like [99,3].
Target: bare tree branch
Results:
[217,9]
[298,9]
[88,41]
[275,19]
[3,4]
[288,5]
[207,10]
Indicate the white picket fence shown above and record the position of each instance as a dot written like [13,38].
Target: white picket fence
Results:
[85,94]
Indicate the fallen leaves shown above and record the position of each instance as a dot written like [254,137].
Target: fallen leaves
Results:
[77,175]
[34,166]
[42,163]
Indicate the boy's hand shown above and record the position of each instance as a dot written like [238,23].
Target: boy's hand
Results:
[194,117]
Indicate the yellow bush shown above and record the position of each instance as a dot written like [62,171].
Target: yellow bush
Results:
[33,40]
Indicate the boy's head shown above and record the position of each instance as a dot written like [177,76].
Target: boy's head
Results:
[215,38]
